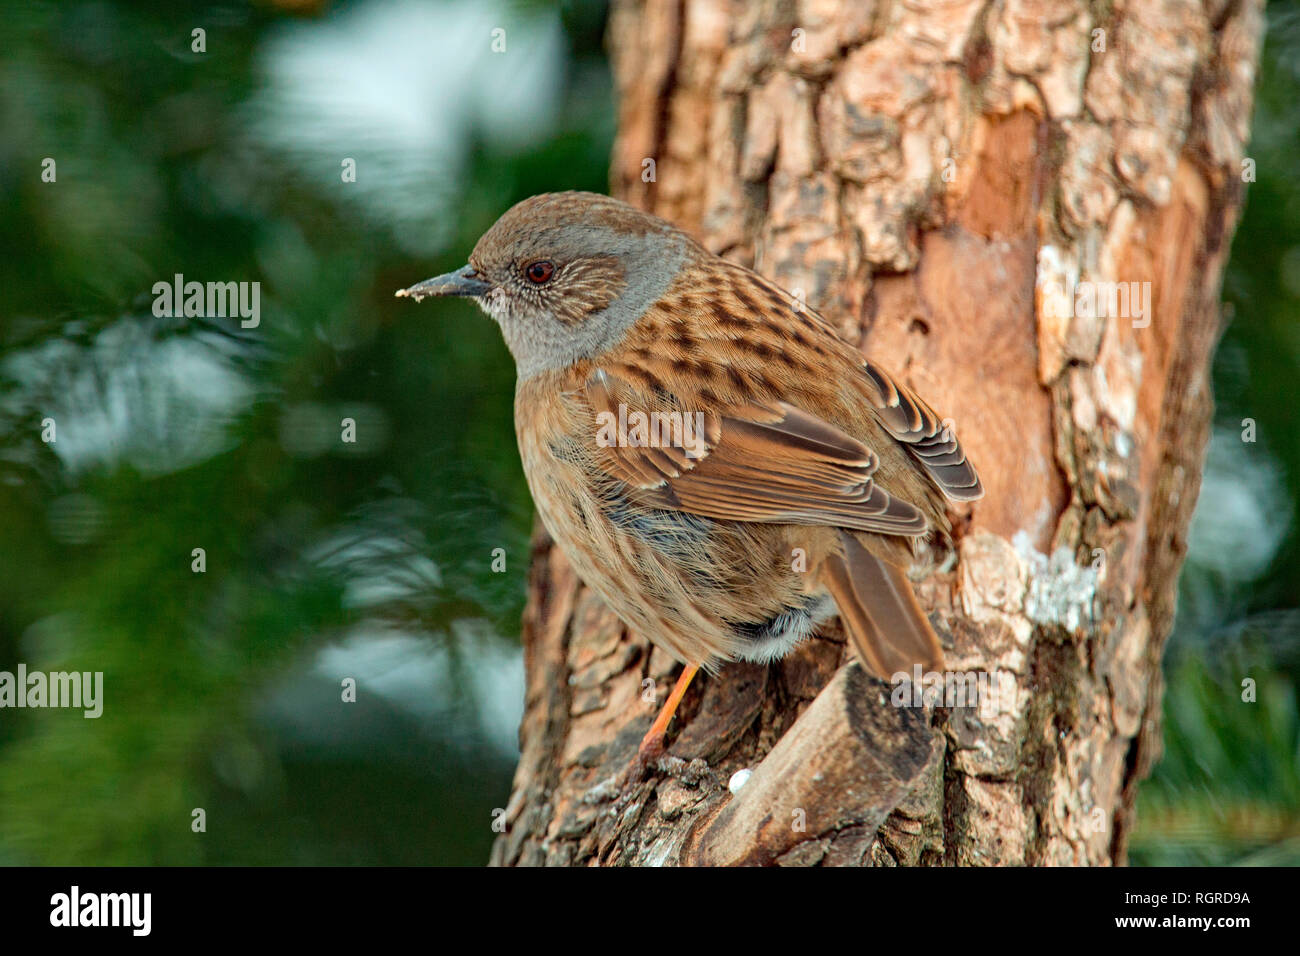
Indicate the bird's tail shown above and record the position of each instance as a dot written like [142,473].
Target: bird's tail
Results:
[888,629]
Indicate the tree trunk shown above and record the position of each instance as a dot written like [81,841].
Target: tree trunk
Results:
[950,182]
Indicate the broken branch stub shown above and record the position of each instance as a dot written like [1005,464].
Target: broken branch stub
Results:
[848,761]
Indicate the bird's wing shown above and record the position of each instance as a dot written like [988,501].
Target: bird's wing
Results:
[769,463]
[919,429]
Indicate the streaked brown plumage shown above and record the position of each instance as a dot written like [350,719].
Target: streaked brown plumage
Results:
[807,448]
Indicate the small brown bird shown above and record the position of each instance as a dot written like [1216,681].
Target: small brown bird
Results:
[714,460]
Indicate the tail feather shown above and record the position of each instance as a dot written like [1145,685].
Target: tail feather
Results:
[888,629]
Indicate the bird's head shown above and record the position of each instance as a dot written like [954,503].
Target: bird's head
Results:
[566,274]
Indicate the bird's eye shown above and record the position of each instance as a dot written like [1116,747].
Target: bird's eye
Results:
[539,272]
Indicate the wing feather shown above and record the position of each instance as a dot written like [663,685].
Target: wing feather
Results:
[773,463]
[930,440]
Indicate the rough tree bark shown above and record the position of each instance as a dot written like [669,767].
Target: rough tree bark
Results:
[937,177]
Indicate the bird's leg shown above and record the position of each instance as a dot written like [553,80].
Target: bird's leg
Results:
[652,744]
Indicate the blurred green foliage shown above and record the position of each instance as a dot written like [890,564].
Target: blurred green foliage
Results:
[326,560]
[216,695]
[1228,788]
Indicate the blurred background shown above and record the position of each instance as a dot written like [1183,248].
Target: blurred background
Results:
[374,559]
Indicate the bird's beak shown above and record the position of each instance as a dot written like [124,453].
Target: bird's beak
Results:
[463,281]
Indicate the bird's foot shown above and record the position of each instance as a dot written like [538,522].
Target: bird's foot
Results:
[646,761]
[648,754]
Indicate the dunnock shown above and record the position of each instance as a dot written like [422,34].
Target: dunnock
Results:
[714,460]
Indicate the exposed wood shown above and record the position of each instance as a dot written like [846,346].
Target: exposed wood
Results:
[843,767]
